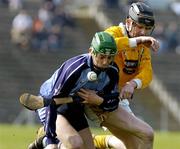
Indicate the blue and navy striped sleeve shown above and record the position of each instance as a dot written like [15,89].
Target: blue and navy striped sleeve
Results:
[63,77]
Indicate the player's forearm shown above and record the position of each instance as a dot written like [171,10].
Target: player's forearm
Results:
[133,83]
[149,42]
[142,39]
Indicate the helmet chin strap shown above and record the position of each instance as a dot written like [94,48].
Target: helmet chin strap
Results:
[134,34]
[152,30]
[129,27]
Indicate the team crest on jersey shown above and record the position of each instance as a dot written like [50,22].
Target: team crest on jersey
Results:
[130,66]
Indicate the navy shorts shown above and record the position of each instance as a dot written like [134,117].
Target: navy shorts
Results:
[74,113]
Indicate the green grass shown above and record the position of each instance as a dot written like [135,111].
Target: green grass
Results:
[167,140]
[18,137]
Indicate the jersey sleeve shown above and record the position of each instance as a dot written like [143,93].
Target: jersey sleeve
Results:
[145,68]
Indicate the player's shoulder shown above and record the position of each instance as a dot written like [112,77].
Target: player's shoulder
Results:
[79,59]
[113,28]
[76,62]
[116,31]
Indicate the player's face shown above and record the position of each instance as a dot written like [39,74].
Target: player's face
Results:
[102,61]
[141,30]
[136,29]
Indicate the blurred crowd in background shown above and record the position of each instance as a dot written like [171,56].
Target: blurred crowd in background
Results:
[44,32]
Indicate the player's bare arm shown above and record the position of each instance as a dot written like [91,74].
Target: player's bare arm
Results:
[149,42]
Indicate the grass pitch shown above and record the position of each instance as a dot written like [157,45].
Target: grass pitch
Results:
[19,136]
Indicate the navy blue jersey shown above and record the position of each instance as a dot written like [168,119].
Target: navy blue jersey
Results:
[72,76]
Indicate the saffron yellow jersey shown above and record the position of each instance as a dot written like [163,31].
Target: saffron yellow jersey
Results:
[134,61]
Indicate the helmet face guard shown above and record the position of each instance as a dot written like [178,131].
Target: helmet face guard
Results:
[104,43]
[146,21]
[142,14]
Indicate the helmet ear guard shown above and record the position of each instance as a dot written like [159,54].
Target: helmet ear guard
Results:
[142,14]
[103,43]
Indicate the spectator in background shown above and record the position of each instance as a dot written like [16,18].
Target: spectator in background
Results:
[55,38]
[159,33]
[44,33]
[39,36]
[48,28]
[45,14]
[44,39]
[172,34]
[21,29]
[62,18]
